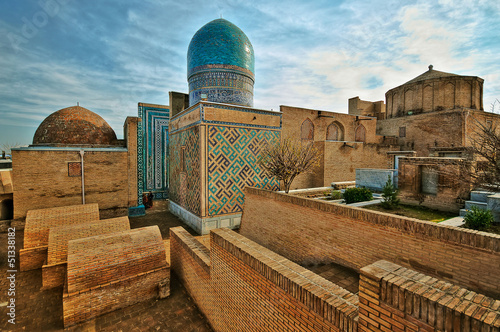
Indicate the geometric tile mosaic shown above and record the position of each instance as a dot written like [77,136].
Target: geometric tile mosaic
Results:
[232,165]
[152,154]
[185,187]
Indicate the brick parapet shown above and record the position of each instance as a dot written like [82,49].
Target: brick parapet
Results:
[192,247]
[106,258]
[394,298]
[416,227]
[319,295]
[61,235]
[312,231]
[244,278]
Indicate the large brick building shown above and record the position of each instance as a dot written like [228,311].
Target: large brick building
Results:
[75,158]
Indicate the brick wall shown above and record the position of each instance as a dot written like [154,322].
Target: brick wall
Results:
[425,131]
[394,298]
[449,194]
[37,187]
[130,134]
[190,260]
[434,94]
[307,230]
[247,287]
[32,258]
[108,272]
[339,161]
[38,222]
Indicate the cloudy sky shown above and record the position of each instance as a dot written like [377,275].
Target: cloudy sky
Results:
[110,55]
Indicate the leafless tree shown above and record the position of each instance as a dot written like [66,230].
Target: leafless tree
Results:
[485,149]
[7,146]
[288,158]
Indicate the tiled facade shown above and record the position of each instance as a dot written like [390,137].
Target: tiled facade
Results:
[232,165]
[214,150]
[152,154]
[185,169]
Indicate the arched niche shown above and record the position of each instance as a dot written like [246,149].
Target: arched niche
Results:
[360,134]
[335,132]
[307,130]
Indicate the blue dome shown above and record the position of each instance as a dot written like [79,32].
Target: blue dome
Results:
[220,42]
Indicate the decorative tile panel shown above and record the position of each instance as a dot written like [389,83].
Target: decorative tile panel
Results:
[153,151]
[232,165]
[185,186]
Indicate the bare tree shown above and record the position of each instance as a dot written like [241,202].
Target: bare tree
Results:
[7,146]
[485,148]
[288,158]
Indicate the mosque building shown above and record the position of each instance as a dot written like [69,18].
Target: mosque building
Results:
[215,143]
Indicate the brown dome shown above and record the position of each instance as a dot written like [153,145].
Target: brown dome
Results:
[74,125]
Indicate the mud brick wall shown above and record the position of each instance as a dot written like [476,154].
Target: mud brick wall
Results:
[106,180]
[38,222]
[106,258]
[312,231]
[59,236]
[249,288]
[394,298]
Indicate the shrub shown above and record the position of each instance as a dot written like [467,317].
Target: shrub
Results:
[354,195]
[335,194]
[390,195]
[478,219]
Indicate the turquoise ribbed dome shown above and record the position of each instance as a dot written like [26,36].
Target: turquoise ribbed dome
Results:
[220,42]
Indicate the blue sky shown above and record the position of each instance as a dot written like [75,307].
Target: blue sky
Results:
[110,55]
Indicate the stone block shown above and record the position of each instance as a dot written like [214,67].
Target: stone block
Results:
[494,206]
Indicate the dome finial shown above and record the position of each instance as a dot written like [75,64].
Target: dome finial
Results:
[430,67]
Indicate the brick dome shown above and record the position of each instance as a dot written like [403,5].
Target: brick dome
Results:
[74,125]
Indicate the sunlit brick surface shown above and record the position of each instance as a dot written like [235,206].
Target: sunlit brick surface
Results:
[394,298]
[38,222]
[59,236]
[241,286]
[312,231]
[105,258]
[108,272]
[74,125]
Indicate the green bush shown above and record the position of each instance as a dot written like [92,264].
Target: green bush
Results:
[389,195]
[354,195]
[478,219]
[335,194]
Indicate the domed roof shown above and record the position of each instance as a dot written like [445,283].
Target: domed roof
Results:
[74,125]
[220,42]
[431,74]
